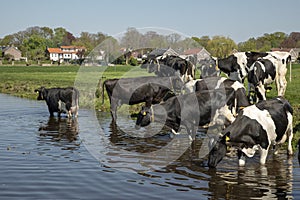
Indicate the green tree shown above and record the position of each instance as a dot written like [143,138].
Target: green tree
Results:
[249,45]
[59,34]
[35,47]
[203,41]
[221,46]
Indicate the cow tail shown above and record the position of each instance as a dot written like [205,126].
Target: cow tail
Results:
[287,106]
[103,84]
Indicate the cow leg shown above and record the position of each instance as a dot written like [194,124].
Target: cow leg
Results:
[51,112]
[281,81]
[263,155]
[290,138]
[76,111]
[69,114]
[261,92]
[242,158]
[113,112]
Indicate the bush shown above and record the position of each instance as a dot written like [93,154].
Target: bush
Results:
[132,61]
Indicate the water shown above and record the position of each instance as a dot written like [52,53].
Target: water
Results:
[88,158]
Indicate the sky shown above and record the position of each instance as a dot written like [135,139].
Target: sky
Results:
[236,19]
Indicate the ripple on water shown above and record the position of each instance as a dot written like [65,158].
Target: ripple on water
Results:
[42,158]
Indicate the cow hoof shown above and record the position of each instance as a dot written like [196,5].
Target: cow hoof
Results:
[137,127]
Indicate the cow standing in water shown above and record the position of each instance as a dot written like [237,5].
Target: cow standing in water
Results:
[207,107]
[257,127]
[60,100]
[151,90]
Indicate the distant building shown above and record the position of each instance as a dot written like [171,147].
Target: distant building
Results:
[198,53]
[162,52]
[293,51]
[65,53]
[14,52]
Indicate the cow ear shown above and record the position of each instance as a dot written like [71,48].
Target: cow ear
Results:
[226,137]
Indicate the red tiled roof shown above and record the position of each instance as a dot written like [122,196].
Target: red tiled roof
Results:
[54,50]
[281,49]
[72,47]
[192,51]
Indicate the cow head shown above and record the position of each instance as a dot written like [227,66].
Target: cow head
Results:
[218,151]
[150,64]
[144,117]
[208,67]
[42,93]
[254,56]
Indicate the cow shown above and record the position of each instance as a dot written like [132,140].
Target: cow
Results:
[261,74]
[268,69]
[170,65]
[150,90]
[211,83]
[209,68]
[280,60]
[257,127]
[207,107]
[236,66]
[60,100]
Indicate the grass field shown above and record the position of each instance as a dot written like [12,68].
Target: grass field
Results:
[23,80]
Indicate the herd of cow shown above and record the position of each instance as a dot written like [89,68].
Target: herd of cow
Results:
[176,98]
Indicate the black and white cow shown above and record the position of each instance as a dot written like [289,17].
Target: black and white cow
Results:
[280,60]
[211,83]
[257,127]
[208,107]
[60,100]
[150,90]
[261,74]
[237,65]
[268,69]
[171,65]
[208,67]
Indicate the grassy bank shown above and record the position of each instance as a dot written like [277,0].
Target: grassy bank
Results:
[22,80]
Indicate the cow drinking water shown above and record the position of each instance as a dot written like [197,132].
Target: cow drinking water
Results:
[257,127]
[208,107]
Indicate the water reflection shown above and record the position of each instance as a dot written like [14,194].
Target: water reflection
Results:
[229,181]
[59,132]
[142,145]
[60,128]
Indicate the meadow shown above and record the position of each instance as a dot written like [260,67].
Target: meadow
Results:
[21,81]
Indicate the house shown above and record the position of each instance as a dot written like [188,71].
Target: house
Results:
[14,52]
[162,52]
[198,53]
[65,53]
[293,51]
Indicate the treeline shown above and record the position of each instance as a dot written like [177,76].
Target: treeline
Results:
[34,40]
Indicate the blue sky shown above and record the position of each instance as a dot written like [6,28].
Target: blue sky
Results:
[237,19]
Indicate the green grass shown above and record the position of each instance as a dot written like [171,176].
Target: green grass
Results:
[23,80]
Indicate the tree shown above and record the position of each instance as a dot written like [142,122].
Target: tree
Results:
[131,39]
[249,45]
[221,46]
[203,41]
[68,39]
[35,47]
[59,34]
[292,41]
